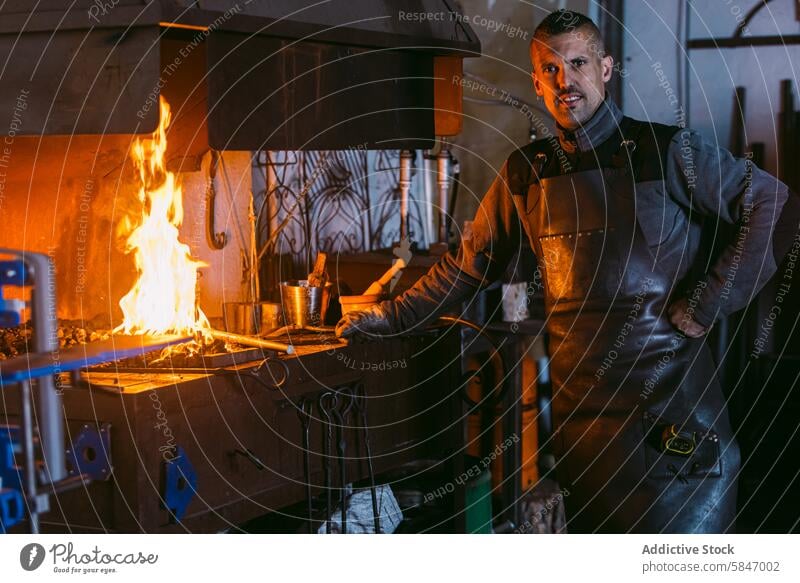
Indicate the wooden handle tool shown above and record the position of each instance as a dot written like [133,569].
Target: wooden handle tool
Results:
[318,277]
[376,288]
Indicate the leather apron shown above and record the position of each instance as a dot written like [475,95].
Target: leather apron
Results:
[622,374]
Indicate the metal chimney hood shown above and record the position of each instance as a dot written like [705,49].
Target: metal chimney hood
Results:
[257,74]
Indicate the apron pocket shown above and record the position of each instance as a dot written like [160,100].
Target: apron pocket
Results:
[581,266]
[666,450]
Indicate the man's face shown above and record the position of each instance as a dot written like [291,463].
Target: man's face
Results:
[570,74]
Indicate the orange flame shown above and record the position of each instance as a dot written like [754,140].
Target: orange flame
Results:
[163,299]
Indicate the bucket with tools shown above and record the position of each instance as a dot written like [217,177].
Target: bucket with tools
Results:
[304,305]
[305,301]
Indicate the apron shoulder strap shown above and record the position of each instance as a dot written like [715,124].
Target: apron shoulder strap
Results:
[647,144]
[525,166]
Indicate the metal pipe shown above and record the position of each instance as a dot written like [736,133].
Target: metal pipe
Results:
[451,208]
[51,413]
[443,179]
[406,156]
[30,460]
[426,193]
[254,342]
[253,276]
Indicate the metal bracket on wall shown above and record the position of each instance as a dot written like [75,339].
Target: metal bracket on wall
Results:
[180,484]
[90,453]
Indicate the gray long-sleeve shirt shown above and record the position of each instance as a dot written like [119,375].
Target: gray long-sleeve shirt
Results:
[709,181]
[701,180]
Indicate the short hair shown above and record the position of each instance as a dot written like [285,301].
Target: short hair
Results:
[567,21]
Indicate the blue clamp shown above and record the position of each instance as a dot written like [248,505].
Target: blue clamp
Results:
[12,504]
[12,508]
[10,472]
[12,273]
[90,453]
[180,483]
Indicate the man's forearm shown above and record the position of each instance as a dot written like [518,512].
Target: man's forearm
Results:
[445,285]
[481,259]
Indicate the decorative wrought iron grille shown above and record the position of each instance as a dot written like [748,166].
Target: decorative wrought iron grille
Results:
[341,202]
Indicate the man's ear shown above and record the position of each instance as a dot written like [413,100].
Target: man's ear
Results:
[536,85]
[607,63]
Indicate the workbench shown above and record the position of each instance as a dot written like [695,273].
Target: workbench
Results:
[223,446]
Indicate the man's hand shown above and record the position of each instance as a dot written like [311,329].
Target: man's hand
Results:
[682,319]
[365,324]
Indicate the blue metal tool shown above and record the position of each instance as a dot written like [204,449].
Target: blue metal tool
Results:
[180,483]
[90,453]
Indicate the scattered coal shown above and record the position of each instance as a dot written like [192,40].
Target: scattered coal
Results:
[188,355]
[19,340]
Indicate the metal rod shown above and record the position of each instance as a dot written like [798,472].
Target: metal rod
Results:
[305,409]
[30,460]
[255,342]
[744,41]
[255,285]
[443,175]
[341,447]
[406,156]
[327,438]
[50,414]
[360,398]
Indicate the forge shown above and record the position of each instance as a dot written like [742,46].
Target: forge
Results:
[165,161]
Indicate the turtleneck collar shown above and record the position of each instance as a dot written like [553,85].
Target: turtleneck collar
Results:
[595,131]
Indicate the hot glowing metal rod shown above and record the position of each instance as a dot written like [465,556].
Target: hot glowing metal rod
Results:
[255,342]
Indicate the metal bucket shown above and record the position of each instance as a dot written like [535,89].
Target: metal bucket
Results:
[240,318]
[304,305]
[357,303]
[249,319]
[271,317]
